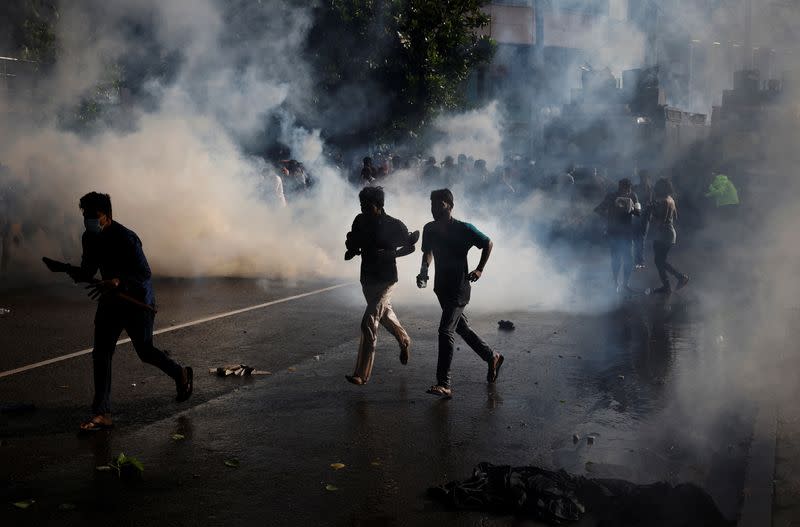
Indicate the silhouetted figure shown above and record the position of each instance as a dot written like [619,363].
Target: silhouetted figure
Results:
[447,241]
[117,252]
[379,239]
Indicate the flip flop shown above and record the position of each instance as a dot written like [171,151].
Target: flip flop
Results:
[440,391]
[95,424]
[355,379]
[185,389]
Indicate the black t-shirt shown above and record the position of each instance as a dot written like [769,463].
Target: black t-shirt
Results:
[450,242]
[377,237]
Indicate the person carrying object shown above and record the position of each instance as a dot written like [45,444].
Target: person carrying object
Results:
[619,207]
[126,301]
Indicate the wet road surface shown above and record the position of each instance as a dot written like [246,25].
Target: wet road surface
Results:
[647,379]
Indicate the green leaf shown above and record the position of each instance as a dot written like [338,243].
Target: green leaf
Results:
[24,504]
[233,463]
[331,488]
[178,437]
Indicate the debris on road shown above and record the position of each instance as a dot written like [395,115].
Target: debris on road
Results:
[232,463]
[337,466]
[127,467]
[239,370]
[557,497]
[590,440]
[621,377]
[24,504]
[331,488]
[67,507]
[178,437]
[506,325]
[316,357]
[4,311]
[575,438]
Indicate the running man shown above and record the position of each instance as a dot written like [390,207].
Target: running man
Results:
[379,239]
[447,241]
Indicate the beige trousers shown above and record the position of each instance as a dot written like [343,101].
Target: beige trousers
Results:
[379,311]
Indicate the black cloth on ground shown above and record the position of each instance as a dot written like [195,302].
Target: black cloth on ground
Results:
[558,498]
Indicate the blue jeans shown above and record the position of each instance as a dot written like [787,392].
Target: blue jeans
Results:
[621,256]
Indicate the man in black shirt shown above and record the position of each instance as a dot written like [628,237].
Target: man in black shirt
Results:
[117,252]
[447,241]
[376,236]
[619,208]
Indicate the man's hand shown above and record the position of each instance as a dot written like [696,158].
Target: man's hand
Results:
[102,288]
[76,274]
[422,281]
[474,275]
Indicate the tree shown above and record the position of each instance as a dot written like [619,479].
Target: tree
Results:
[29,26]
[407,59]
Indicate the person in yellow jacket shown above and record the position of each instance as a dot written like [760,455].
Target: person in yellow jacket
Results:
[723,191]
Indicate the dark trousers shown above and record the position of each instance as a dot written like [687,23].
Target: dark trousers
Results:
[454,321]
[621,256]
[661,250]
[110,320]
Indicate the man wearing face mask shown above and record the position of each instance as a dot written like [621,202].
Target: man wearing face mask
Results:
[379,239]
[117,252]
[447,241]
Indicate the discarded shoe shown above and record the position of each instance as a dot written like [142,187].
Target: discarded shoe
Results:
[240,370]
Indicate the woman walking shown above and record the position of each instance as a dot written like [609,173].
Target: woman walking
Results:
[662,217]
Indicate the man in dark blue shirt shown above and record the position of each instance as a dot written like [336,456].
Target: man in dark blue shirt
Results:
[447,241]
[376,236]
[117,253]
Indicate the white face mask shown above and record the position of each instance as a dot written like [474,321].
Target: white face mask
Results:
[92,225]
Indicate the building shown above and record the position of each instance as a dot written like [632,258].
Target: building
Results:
[541,47]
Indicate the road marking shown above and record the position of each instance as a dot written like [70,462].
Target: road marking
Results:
[174,328]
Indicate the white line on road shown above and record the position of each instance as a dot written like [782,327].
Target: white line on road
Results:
[173,328]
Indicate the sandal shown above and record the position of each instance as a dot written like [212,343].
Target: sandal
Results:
[440,391]
[97,423]
[355,379]
[185,388]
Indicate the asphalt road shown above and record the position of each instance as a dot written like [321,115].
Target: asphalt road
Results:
[647,379]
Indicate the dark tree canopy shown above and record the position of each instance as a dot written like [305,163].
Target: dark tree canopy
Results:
[405,60]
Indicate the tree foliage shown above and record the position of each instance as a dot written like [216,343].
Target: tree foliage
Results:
[410,57]
[29,29]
